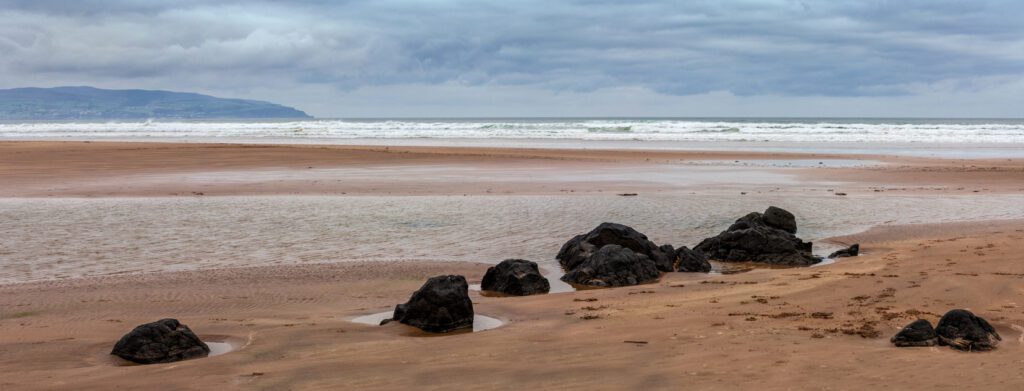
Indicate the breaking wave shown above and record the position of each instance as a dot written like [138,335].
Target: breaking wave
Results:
[932,131]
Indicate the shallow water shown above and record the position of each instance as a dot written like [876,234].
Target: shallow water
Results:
[480,322]
[219,348]
[61,238]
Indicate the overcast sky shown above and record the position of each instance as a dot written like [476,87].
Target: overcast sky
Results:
[438,58]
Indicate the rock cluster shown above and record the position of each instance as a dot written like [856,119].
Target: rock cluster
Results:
[441,305]
[958,329]
[165,340]
[767,237]
[515,277]
[614,255]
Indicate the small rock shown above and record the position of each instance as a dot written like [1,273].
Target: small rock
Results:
[441,305]
[962,330]
[516,277]
[917,333]
[165,340]
[851,251]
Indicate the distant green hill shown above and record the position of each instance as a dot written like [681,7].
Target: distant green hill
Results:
[87,103]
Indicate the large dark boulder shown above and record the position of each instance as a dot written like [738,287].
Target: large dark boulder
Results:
[917,333]
[692,261]
[962,330]
[851,251]
[580,248]
[441,305]
[613,265]
[515,277]
[755,238]
[165,340]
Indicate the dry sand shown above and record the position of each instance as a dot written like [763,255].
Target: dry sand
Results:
[810,328]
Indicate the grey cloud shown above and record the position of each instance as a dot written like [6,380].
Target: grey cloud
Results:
[746,48]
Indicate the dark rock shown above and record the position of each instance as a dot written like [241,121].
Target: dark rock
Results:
[579,248]
[780,218]
[613,265]
[962,330]
[165,340]
[671,259]
[692,261]
[753,239]
[851,251]
[515,277]
[441,305]
[918,333]
[668,250]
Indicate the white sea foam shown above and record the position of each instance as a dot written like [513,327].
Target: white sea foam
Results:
[913,131]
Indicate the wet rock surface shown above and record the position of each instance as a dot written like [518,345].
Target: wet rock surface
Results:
[692,261]
[441,305]
[165,340]
[613,265]
[962,330]
[851,251]
[516,277]
[918,333]
[780,218]
[580,248]
[670,255]
[757,238]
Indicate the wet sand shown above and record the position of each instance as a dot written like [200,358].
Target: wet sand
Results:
[104,169]
[818,328]
[100,237]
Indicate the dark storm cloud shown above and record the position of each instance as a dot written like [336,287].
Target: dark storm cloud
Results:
[787,48]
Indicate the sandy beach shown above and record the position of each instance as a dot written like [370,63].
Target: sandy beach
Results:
[274,249]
